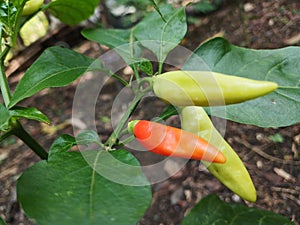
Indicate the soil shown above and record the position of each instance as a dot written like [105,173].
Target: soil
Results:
[272,165]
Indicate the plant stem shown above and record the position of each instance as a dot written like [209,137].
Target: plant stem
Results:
[19,131]
[115,135]
[131,48]
[4,83]
[17,25]
[5,135]
[136,73]
[127,140]
[124,82]
[160,67]
[156,7]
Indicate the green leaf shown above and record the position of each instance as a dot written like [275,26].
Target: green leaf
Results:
[29,113]
[72,12]
[4,117]
[276,138]
[67,190]
[118,39]
[160,36]
[206,6]
[110,37]
[87,137]
[281,66]
[20,112]
[2,222]
[212,211]
[19,3]
[56,67]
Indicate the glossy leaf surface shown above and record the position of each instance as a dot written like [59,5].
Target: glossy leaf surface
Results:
[72,11]
[213,211]
[66,190]
[56,67]
[159,34]
[29,113]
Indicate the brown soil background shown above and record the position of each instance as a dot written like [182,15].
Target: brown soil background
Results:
[254,24]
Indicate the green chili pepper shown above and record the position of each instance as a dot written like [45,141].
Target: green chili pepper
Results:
[171,141]
[232,173]
[205,88]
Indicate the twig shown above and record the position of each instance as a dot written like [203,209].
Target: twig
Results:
[292,197]
[284,174]
[294,191]
[259,151]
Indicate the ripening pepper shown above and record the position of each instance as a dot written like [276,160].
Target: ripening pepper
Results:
[205,88]
[233,174]
[170,141]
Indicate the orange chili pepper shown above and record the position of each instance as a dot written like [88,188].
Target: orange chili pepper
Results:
[171,141]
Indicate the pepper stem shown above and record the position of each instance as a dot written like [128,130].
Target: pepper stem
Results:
[140,92]
[131,125]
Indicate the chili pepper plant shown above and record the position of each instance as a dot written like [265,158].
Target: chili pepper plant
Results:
[84,179]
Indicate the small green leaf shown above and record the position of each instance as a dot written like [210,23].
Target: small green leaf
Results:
[105,119]
[281,66]
[28,113]
[4,118]
[165,35]
[212,211]
[20,112]
[67,189]
[72,12]
[56,67]
[276,138]
[62,144]
[146,67]
[2,222]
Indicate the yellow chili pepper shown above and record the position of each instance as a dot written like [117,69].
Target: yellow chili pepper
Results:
[232,173]
[31,7]
[205,88]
